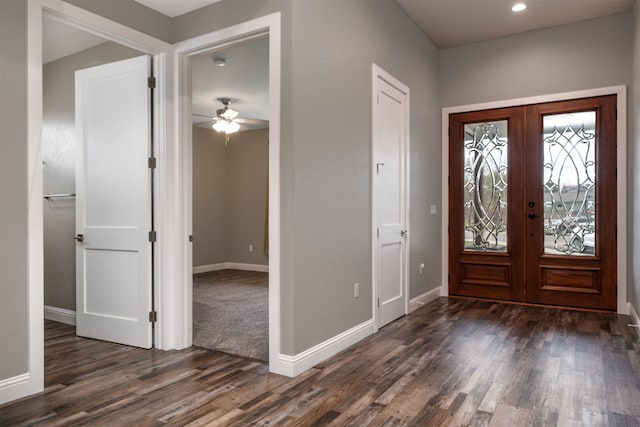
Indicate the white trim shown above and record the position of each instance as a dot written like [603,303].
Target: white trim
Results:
[621,92]
[230,265]
[377,73]
[15,387]
[61,315]
[424,299]
[634,317]
[33,381]
[181,303]
[292,366]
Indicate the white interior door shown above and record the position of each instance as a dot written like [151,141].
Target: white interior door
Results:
[113,209]
[390,151]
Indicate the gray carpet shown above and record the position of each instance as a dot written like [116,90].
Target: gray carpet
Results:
[230,312]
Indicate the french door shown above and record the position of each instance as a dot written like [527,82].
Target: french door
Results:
[532,198]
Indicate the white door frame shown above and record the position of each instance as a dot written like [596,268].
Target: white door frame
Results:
[257,28]
[621,92]
[376,74]
[33,381]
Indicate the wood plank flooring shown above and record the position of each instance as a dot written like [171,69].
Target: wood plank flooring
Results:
[452,362]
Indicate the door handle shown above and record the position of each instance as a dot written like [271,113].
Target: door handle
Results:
[533,216]
[79,238]
[404,233]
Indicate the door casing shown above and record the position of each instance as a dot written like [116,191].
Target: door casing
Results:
[621,92]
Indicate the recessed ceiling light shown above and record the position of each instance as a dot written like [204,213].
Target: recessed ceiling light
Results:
[519,7]
[220,62]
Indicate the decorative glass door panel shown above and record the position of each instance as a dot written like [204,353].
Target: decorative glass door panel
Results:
[532,203]
[569,180]
[485,186]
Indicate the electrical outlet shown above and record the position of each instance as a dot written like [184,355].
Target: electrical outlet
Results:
[434,209]
[421,267]
[356,290]
[250,248]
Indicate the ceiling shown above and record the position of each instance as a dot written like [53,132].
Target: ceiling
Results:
[244,79]
[173,8]
[451,23]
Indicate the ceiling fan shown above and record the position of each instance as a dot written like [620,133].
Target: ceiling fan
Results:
[227,121]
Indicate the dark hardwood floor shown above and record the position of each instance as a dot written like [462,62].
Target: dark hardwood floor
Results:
[452,362]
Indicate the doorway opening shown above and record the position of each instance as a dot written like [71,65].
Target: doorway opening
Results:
[230,92]
[267,27]
[532,203]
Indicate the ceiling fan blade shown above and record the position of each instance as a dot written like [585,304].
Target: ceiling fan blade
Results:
[252,121]
[210,116]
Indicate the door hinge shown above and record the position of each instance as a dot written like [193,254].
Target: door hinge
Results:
[377,232]
[378,302]
[152,162]
[190,237]
[153,316]
[378,101]
[153,236]
[151,82]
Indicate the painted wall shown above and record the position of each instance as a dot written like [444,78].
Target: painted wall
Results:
[584,55]
[131,14]
[326,169]
[229,196]
[13,190]
[578,56]
[58,155]
[633,165]
[209,196]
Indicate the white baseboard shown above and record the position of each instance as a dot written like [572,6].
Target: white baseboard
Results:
[634,316]
[292,366]
[15,388]
[230,265]
[424,298]
[61,315]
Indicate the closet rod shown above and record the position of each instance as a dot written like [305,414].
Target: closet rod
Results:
[54,196]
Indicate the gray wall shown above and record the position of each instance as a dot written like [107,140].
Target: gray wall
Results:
[229,196]
[328,48]
[58,154]
[209,195]
[585,55]
[131,14]
[14,334]
[633,164]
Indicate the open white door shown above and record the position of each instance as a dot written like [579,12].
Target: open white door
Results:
[113,209]
[390,185]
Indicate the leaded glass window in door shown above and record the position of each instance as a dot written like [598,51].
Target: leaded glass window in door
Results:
[485,186]
[569,183]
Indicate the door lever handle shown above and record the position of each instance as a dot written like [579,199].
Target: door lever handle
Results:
[533,216]
[79,238]
[404,233]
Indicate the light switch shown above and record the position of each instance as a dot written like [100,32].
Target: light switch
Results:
[434,209]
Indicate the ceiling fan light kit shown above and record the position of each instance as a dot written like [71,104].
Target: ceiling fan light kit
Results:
[226,126]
